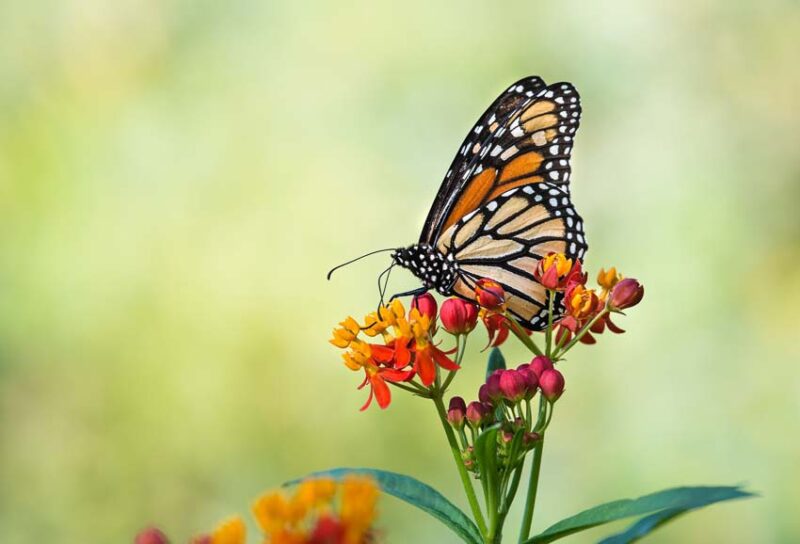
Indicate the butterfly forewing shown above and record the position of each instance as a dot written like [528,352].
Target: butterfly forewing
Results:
[524,137]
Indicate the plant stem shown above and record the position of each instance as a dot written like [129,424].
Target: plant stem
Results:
[580,334]
[516,328]
[462,470]
[549,330]
[533,485]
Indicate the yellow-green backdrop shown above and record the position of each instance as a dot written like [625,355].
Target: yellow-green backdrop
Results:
[176,178]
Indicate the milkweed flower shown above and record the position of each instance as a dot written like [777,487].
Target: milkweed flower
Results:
[151,535]
[456,412]
[458,316]
[425,305]
[490,294]
[628,292]
[321,511]
[556,272]
[552,383]
[398,347]
[581,303]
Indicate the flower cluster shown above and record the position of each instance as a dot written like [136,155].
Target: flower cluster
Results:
[406,350]
[585,310]
[505,399]
[321,511]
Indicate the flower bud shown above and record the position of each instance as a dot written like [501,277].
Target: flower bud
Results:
[151,535]
[457,412]
[530,439]
[490,294]
[552,383]
[607,279]
[476,413]
[493,387]
[539,364]
[531,380]
[513,385]
[483,394]
[458,316]
[507,437]
[425,305]
[626,293]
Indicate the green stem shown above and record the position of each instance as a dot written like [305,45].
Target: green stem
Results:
[580,334]
[462,470]
[516,328]
[461,346]
[549,330]
[533,485]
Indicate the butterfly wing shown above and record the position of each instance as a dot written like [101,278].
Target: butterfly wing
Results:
[524,137]
[504,238]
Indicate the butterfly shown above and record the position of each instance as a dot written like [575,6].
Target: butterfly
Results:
[505,202]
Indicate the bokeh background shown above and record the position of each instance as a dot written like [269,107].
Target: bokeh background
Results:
[177,177]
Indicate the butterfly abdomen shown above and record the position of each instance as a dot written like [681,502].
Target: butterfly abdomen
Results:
[431,266]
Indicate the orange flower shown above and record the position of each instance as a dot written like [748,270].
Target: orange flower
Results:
[581,303]
[490,294]
[556,272]
[408,349]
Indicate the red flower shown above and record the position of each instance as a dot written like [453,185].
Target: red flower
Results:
[552,383]
[458,316]
[151,535]
[626,293]
[513,385]
[425,361]
[490,294]
[328,530]
[497,327]
[377,378]
[554,271]
[425,305]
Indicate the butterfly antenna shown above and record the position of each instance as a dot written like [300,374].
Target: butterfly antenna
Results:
[351,261]
[382,289]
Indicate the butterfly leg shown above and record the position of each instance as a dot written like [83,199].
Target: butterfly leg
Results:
[415,292]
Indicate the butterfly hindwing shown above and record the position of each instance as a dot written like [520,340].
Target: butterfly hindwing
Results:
[524,137]
[504,239]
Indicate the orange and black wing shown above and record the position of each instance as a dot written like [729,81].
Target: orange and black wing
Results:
[503,240]
[524,137]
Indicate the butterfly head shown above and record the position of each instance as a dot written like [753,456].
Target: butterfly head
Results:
[435,269]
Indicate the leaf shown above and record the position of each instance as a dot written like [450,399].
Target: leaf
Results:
[496,361]
[644,526]
[486,455]
[663,507]
[413,492]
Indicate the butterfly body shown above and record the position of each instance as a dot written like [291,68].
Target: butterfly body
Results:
[505,201]
[435,269]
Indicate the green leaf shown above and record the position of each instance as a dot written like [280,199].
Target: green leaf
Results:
[644,526]
[662,506]
[413,492]
[486,455]
[496,361]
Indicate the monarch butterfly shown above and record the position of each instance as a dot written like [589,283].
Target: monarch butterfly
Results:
[505,202]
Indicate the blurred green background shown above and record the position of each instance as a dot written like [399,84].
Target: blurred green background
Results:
[177,177]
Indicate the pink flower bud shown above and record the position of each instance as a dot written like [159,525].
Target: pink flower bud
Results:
[490,294]
[425,305]
[457,412]
[552,383]
[512,385]
[531,380]
[458,316]
[626,293]
[493,387]
[530,439]
[483,394]
[151,535]
[476,413]
[539,364]
[507,437]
